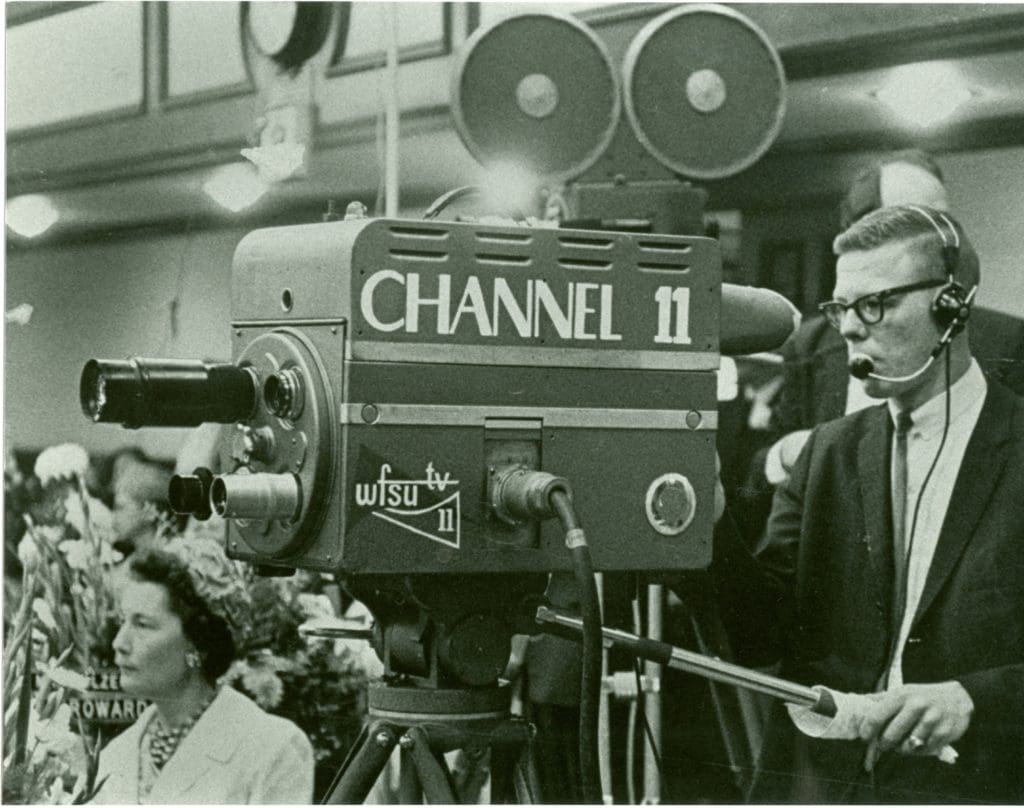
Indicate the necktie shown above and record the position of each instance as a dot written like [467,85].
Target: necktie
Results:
[899,514]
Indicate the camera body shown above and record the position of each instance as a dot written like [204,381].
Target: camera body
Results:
[405,368]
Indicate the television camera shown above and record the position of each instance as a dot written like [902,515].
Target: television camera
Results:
[430,409]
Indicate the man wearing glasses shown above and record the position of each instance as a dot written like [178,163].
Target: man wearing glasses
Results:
[893,566]
[817,386]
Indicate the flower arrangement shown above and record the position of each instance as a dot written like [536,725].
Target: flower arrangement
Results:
[65,619]
[319,685]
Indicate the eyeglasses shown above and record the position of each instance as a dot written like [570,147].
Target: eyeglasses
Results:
[870,308]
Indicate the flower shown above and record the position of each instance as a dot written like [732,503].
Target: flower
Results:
[54,737]
[28,553]
[100,519]
[264,684]
[80,555]
[315,605]
[44,613]
[71,680]
[65,461]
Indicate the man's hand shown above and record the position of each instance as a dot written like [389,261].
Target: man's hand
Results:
[918,719]
[783,454]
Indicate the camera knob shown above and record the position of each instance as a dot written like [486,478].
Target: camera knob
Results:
[250,444]
[671,504]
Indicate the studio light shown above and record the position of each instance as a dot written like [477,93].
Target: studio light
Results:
[509,187]
[924,94]
[235,187]
[31,215]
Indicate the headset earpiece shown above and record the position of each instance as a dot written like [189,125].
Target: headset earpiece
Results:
[950,305]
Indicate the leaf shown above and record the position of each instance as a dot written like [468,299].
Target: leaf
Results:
[24,703]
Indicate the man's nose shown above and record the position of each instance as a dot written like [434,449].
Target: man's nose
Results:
[850,325]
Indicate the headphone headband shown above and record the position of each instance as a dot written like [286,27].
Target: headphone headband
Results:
[950,248]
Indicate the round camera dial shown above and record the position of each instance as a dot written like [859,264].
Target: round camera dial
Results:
[670,504]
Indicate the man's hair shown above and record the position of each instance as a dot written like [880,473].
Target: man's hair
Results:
[865,192]
[208,632]
[917,224]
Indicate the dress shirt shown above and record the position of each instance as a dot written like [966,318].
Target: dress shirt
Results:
[967,395]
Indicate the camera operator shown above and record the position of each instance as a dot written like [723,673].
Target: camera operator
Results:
[816,385]
[893,559]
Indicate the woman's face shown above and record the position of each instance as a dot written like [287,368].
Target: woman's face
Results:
[150,647]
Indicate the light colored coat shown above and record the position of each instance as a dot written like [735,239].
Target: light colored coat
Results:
[235,754]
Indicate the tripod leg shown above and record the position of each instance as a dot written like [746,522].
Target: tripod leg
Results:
[410,791]
[470,771]
[433,774]
[503,765]
[363,765]
[527,781]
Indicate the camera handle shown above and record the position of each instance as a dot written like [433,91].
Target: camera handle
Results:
[555,621]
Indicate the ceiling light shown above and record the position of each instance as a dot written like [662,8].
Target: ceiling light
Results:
[235,187]
[31,215]
[924,94]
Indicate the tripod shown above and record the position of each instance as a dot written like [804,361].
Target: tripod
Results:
[425,723]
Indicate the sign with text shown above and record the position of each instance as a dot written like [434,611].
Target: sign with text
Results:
[104,702]
[537,289]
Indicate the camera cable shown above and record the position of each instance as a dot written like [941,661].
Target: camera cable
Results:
[590,612]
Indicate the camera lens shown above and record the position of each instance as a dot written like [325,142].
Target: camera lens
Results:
[190,493]
[165,392]
[283,393]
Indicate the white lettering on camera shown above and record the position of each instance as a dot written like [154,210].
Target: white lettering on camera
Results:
[491,307]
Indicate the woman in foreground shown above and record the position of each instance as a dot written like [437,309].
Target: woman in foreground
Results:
[184,608]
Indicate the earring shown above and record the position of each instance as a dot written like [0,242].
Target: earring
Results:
[192,659]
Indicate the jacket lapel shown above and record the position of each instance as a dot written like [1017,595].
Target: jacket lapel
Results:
[873,454]
[206,746]
[975,483]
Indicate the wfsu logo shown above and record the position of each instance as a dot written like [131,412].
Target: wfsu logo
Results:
[413,505]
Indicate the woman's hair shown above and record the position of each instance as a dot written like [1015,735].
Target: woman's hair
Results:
[208,632]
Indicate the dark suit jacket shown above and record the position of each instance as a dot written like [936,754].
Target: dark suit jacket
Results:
[818,597]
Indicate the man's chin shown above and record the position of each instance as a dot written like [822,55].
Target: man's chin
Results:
[873,388]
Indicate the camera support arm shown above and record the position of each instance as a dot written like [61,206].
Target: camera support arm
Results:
[562,624]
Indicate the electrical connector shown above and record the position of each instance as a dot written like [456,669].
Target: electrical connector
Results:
[518,493]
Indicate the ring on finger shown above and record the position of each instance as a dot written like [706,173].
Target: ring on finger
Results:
[915,743]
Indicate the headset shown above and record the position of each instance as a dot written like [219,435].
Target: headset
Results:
[951,306]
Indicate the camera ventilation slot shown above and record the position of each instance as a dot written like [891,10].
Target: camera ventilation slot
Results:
[418,255]
[504,238]
[580,242]
[508,260]
[658,266]
[664,247]
[430,233]
[583,263]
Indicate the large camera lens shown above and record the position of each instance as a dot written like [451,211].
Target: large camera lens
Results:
[166,392]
